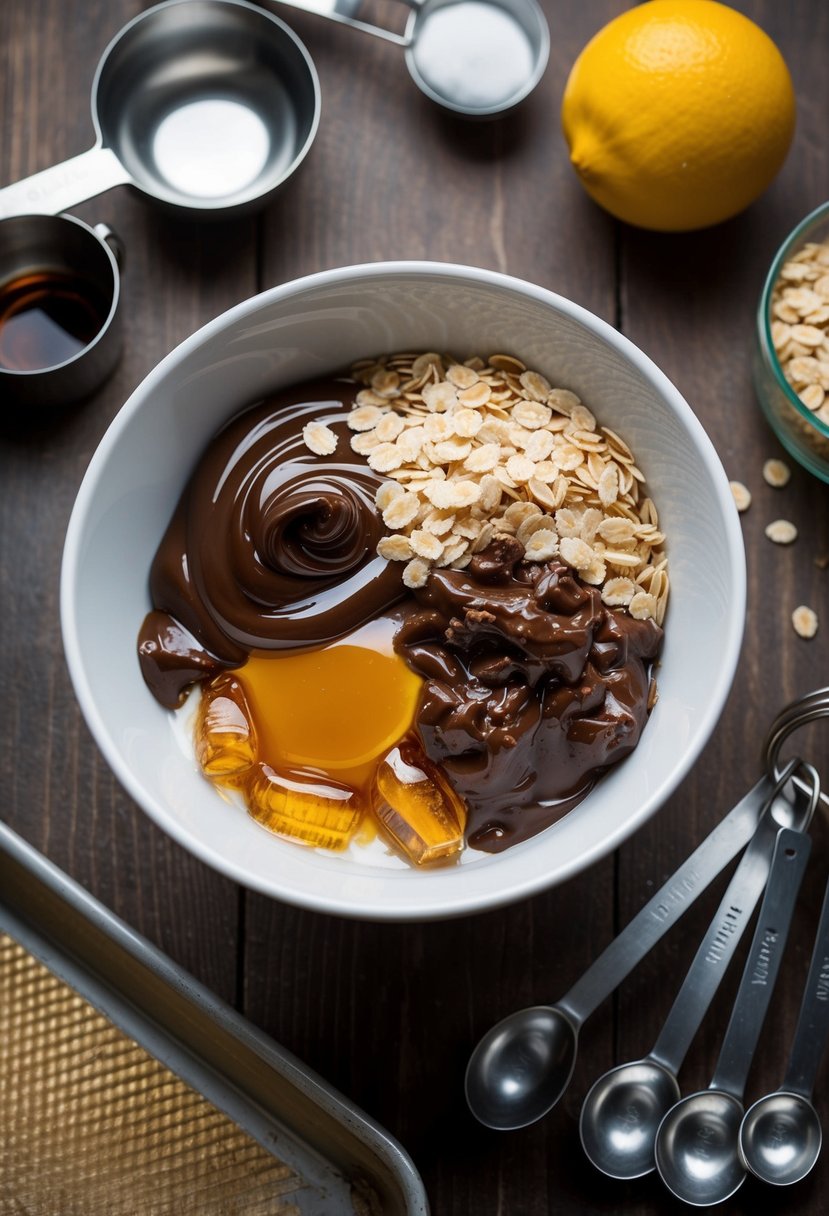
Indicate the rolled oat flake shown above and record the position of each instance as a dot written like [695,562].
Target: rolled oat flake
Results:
[805,622]
[781,532]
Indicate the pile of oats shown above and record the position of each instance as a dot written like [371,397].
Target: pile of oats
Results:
[479,449]
[800,331]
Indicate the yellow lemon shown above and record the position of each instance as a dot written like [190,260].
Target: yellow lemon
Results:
[678,114]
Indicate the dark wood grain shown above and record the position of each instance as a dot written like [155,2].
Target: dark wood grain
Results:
[389,1013]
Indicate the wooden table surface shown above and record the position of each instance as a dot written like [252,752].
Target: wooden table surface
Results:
[389,1013]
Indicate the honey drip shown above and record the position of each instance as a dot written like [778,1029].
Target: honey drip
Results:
[416,805]
[317,743]
[225,736]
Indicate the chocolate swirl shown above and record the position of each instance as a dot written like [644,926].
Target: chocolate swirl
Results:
[270,546]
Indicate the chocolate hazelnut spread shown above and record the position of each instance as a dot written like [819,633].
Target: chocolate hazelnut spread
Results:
[533,688]
[269,547]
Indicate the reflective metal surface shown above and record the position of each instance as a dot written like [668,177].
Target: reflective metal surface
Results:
[63,244]
[522,1066]
[697,1143]
[207,106]
[780,1136]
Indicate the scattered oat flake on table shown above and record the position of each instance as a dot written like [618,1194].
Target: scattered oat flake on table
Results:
[781,531]
[741,495]
[805,621]
[776,473]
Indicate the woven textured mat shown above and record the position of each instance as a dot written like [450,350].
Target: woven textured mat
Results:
[92,1125]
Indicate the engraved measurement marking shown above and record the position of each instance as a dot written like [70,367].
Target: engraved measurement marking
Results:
[822,990]
[730,925]
[51,181]
[760,974]
[706,1138]
[631,1117]
[779,1136]
[677,894]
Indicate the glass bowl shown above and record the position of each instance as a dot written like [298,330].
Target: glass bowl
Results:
[803,431]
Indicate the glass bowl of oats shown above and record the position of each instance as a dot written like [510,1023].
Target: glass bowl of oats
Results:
[791,358]
[365,593]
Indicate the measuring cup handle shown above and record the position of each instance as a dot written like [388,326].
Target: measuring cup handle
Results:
[114,241]
[63,186]
[324,8]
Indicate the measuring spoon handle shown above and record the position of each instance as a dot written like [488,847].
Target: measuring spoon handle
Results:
[812,1027]
[664,908]
[762,965]
[717,948]
[65,185]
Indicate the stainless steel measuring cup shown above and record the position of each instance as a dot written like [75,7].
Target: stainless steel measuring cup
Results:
[478,58]
[206,106]
[60,322]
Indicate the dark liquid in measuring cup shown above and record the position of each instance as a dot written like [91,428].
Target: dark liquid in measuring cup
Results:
[46,317]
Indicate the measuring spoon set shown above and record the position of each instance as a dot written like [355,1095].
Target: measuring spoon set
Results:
[633,1120]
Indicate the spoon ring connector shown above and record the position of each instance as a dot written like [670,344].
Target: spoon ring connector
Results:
[806,709]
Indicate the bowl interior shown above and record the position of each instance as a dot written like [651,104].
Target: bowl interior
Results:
[319,325]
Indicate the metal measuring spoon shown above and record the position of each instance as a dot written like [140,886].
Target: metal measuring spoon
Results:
[780,1135]
[623,1109]
[523,1064]
[696,1146]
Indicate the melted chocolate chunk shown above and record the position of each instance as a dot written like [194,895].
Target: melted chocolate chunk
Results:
[171,659]
[533,688]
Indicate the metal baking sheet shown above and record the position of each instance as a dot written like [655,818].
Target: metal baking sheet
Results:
[347,1163]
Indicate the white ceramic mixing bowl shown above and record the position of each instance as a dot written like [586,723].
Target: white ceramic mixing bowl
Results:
[317,325]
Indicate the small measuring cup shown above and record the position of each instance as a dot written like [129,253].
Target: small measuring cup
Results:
[780,1135]
[205,106]
[478,58]
[60,323]
[696,1148]
[623,1109]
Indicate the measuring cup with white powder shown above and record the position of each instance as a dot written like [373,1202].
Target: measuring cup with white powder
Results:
[478,58]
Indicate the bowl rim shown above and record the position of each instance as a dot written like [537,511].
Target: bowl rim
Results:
[458,903]
[797,236]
